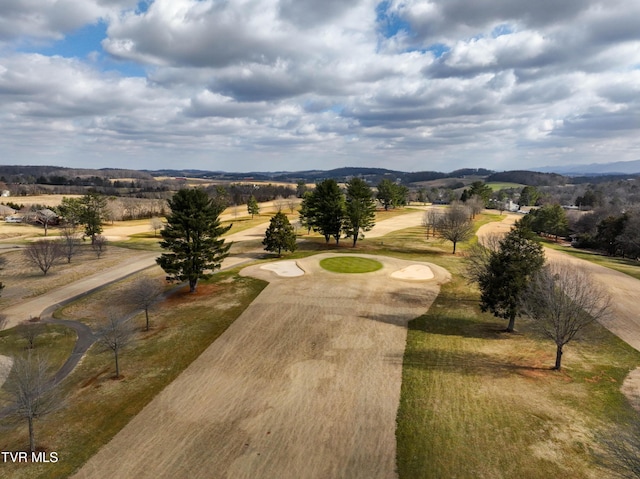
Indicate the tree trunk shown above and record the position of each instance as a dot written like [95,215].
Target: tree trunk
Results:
[454,247]
[115,352]
[558,358]
[355,239]
[146,313]
[512,323]
[192,285]
[32,439]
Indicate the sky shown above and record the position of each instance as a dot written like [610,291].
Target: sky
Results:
[274,85]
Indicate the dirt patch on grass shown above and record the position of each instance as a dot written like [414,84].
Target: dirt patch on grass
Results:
[305,383]
[5,368]
[631,388]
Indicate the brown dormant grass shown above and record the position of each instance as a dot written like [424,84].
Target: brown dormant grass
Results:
[305,383]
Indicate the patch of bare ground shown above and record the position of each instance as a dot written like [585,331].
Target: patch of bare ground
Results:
[5,368]
[631,388]
[304,384]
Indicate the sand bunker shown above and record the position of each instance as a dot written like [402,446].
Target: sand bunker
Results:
[288,269]
[5,368]
[417,272]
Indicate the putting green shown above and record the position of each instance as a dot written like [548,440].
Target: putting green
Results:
[350,264]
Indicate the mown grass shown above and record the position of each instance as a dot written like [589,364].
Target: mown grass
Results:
[350,264]
[623,265]
[500,185]
[475,401]
[478,402]
[243,223]
[53,342]
[98,406]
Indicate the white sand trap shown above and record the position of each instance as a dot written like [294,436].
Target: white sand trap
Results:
[419,272]
[5,368]
[288,269]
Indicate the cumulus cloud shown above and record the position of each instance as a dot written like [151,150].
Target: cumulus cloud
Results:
[51,19]
[412,84]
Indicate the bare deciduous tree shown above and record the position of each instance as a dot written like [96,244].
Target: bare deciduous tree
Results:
[114,336]
[455,224]
[156,225]
[43,254]
[99,245]
[475,204]
[29,332]
[46,217]
[292,203]
[479,256]
[562,301]
[69,241]
[30,391]
[143,294]
[430,221]
[279,203]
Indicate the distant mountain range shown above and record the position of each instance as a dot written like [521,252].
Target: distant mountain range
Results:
[593,169]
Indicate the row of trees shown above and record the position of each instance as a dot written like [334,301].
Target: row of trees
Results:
[333,213]
[615,234]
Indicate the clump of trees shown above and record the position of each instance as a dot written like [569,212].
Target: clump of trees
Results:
[89,211]
[391,194]
[550,220]
[615,234]
[331,212]
[477,189]
[323,210]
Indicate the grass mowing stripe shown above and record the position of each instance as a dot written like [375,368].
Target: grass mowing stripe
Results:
[478,402]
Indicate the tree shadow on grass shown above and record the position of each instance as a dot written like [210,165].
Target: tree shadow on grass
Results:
[470,363]
[461,326]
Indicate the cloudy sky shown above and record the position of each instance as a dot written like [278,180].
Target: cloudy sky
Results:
[265,85]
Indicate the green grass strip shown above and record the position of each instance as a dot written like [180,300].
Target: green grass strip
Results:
[350,264]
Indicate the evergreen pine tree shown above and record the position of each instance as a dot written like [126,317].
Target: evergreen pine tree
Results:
[280,235]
